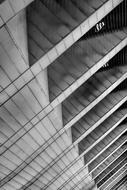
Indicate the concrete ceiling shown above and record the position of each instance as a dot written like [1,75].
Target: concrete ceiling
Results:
[63,95]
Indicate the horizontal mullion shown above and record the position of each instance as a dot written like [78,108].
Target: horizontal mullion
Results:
[120,181]
[104,116]
[108,163]
[77,78]
[108,173]
[92,104]
[93,94]
[84,177]
[79,128]
[117,174]
[34,69]
[103,135]
[55,105]
[91,155]
[28,161]
[82,156]
[79,34]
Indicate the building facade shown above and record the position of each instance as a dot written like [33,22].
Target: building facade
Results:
[63,95]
